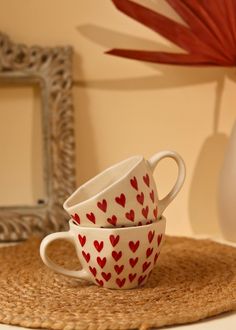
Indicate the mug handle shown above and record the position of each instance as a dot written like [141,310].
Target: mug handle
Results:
[66,235]
[153,161]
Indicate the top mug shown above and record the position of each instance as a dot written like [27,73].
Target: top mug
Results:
[124,194]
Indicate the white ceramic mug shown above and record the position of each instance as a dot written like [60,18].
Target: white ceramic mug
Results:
[115,258]
[124,194]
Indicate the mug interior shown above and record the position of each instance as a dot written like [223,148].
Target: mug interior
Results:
[103,181]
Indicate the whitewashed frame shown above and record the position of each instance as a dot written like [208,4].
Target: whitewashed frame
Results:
[51,69]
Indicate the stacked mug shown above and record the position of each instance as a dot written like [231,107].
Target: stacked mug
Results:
[116,224]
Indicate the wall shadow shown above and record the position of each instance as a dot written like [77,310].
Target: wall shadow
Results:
[86,162]
[202,202]
[112,39]
[203,195]
[166,76]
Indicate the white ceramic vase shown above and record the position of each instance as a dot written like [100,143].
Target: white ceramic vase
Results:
[227,190]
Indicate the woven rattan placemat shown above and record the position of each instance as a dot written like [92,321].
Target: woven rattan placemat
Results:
[194,279]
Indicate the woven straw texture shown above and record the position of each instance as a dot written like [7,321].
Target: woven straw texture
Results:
[194,279]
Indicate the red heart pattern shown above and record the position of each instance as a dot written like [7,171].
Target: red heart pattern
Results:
[134,183]
[93,270]
[120,282]
[102,205]
[121,200]
[133,246]
[106,276]
[140,198]
[116,255]
[134,265]
[145,212]
[133,262]
[86,256]
[114,239]
[91,217]
[76,218]
[146,265]
[146,180]
[159,239]
[151,235]
[132,277]
[98,246]
[156,257]
[149,252]
[99,282]
[155,212]
[82,240]
[140,269]
[119,269]
[141,279]
[130,215]
[101,261]
[152,195]
[112,220]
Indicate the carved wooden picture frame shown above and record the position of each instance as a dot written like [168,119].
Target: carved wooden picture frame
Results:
[51,69]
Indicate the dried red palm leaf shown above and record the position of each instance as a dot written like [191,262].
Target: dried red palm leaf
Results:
[208,39]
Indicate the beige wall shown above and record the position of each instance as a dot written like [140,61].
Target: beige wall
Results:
[125,107]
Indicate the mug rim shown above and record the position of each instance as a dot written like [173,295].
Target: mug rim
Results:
[139,158]
[120,229]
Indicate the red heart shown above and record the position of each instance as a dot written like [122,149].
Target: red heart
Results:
[145,212]
[159,238]
[98,246]
[132,277]
[152,195]
[151,235]
[140,198]
[93,270]
[86,256]
[91,217]
[116,255]
[102,205]
[156,257]
[133,261]
[106,276]
[155,212]
[82,240]
[100,282]
[133,246]
[149,252]
[146,179]
[120,282]
[101,262]
[134,183]
[146,265]
[114,239]
[112,220]
[121,200]
[130,215]
[141,279]
[118,269]
[76,218]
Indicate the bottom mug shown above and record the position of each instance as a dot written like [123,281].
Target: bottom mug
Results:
[115,258]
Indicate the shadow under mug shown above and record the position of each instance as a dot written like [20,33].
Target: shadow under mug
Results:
[124,194]
[115,258]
